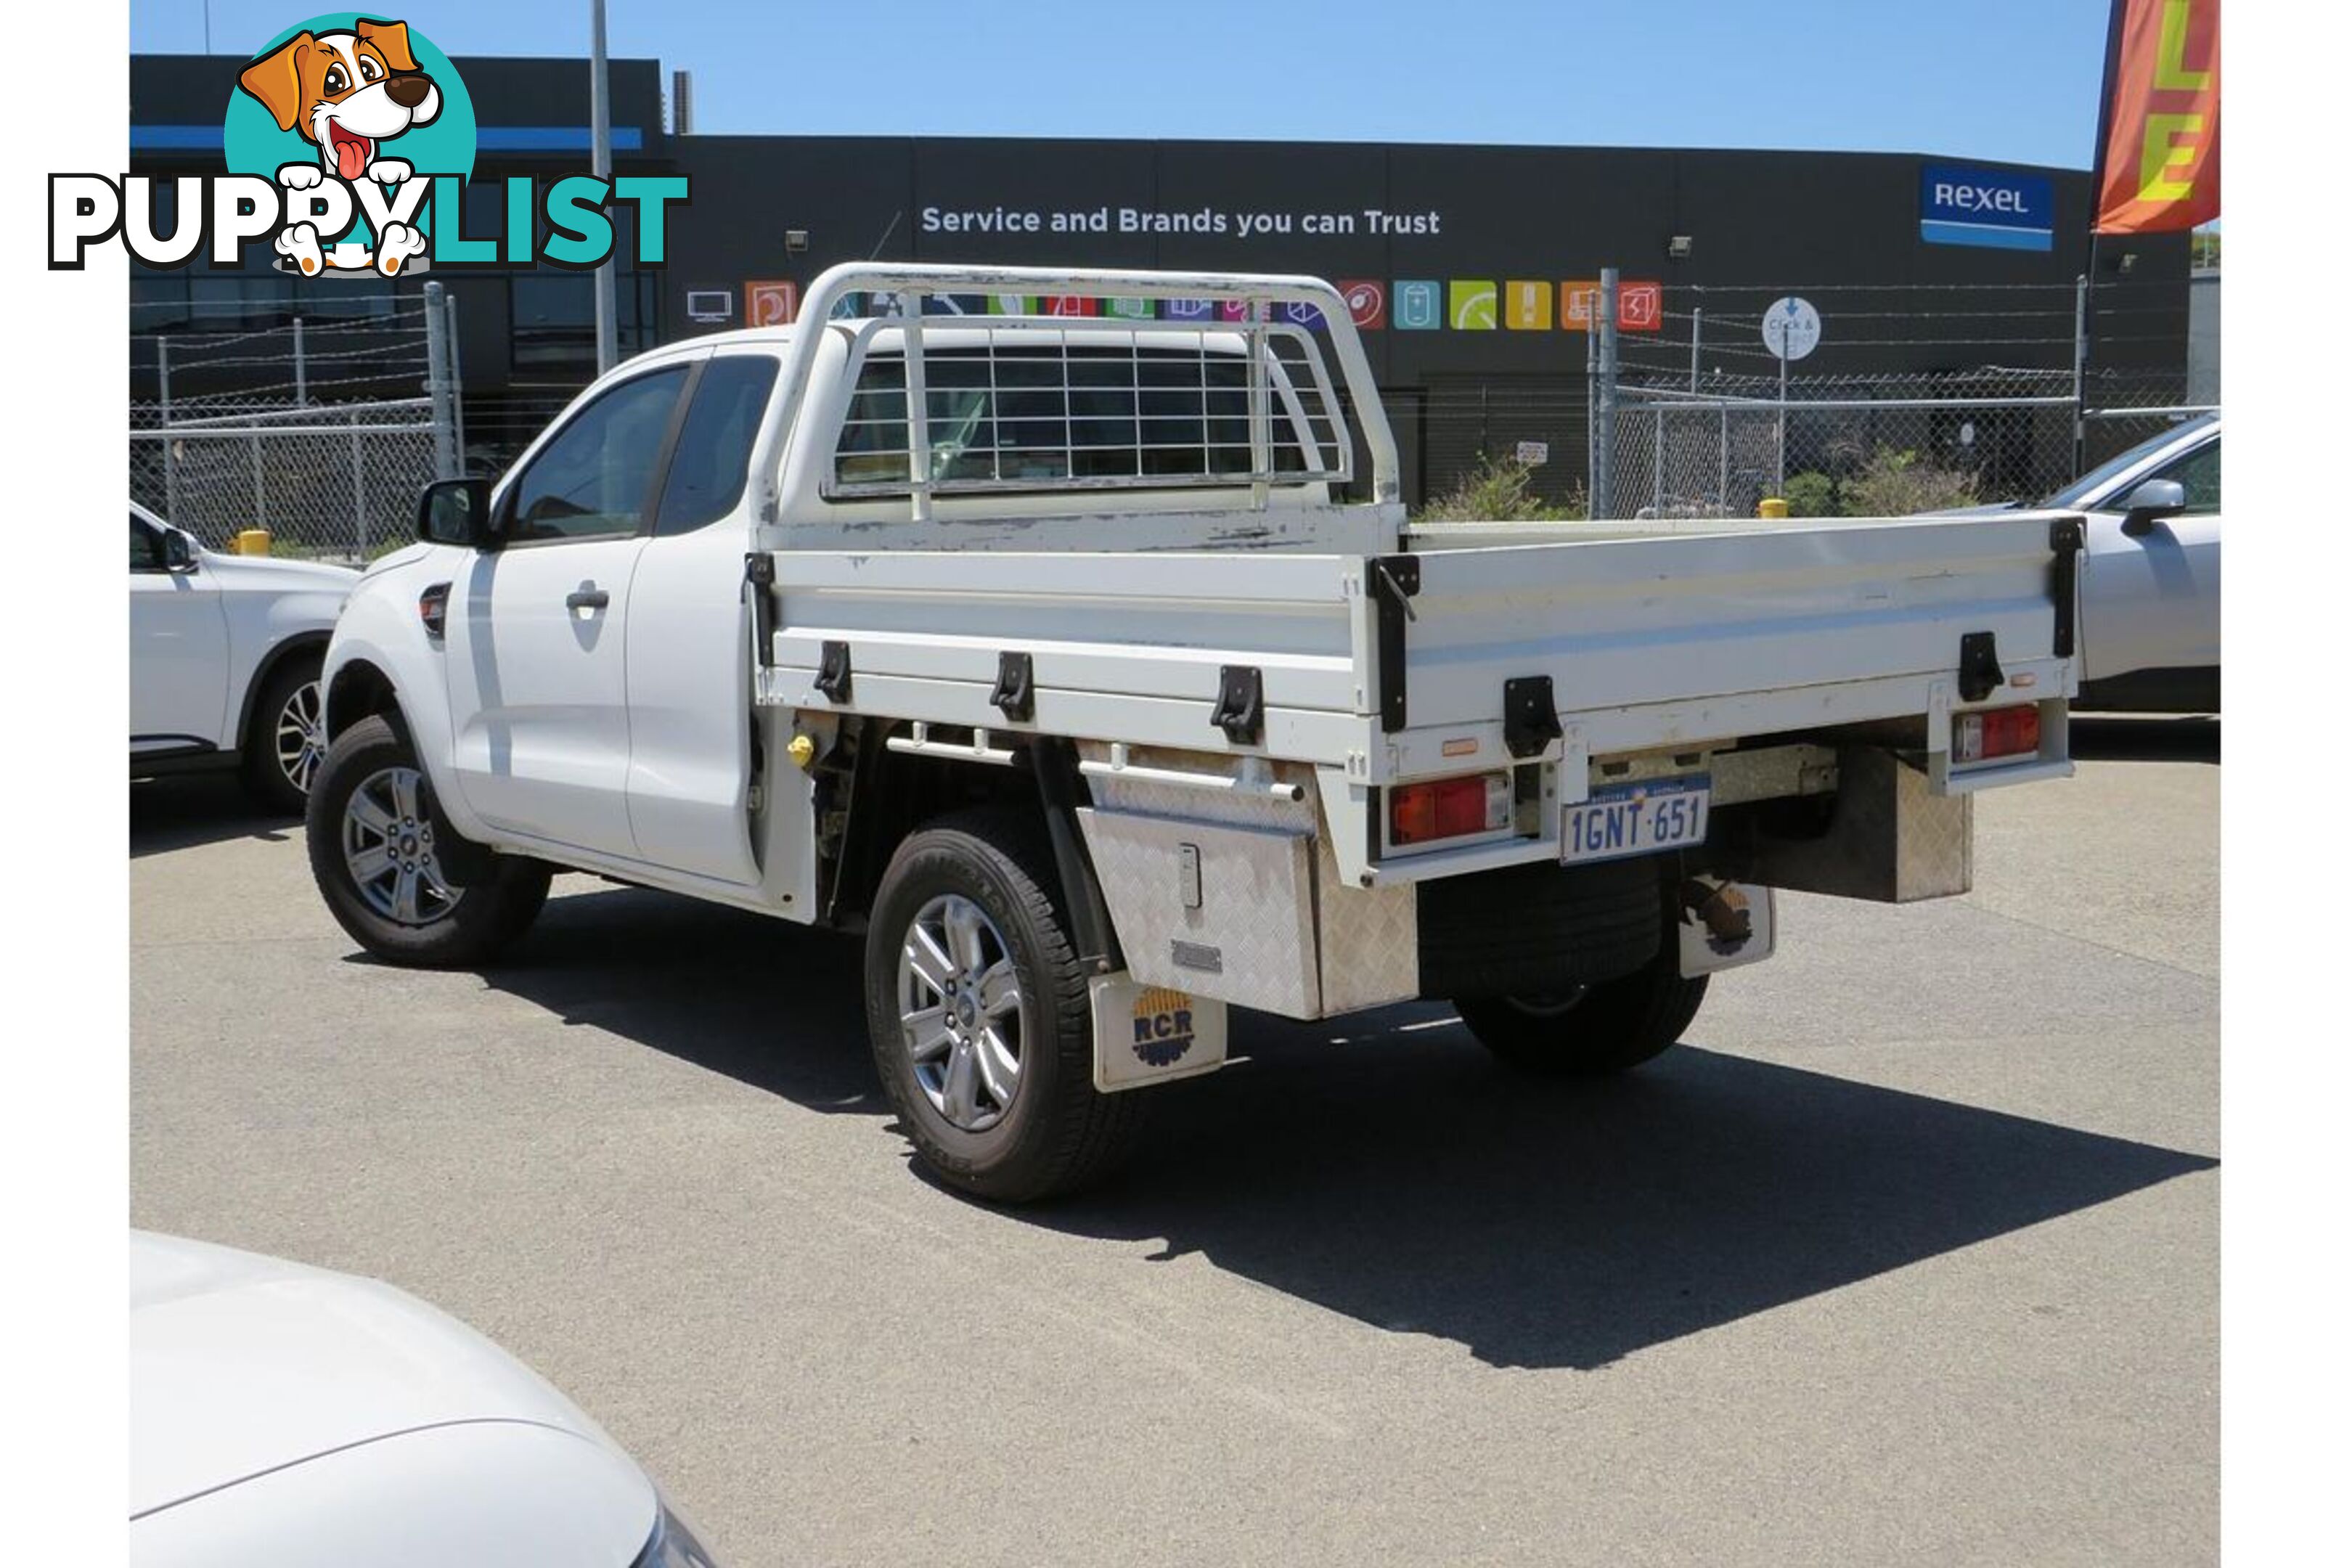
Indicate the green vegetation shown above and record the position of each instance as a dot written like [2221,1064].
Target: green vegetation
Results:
[1810,494]
[1893,482]
[1499,489]
[1896,484]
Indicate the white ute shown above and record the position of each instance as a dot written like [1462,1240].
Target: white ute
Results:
[1045,652]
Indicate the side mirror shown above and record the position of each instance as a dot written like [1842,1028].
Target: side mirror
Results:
[2153,498]
[455,512]
[179,556]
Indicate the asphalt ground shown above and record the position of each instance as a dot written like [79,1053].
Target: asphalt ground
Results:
[1909,1254]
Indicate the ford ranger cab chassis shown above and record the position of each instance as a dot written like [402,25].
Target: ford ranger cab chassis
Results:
[1050,652]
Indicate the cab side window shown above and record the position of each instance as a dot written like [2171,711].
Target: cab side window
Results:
[2199,474]
[594,479]
[713,456]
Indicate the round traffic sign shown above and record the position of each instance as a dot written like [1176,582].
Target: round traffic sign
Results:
[1792,329]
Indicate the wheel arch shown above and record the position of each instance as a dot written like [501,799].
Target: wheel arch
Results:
[894,794]
[300,644]
[359,690]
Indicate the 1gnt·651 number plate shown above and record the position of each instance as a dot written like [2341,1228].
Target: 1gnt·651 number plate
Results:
[1625,819]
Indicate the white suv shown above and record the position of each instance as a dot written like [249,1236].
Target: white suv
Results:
[225,653]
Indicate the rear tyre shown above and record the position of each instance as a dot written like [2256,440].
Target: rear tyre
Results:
[370,830]
[1590,1031]
[977,1010]
[286,740]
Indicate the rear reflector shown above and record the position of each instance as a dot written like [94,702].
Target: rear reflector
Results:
[1996,732]
[1449,808]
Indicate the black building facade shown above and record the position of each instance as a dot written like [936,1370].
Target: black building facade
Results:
[1713,237]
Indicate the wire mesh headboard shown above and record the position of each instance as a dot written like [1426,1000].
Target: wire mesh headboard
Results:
[970,404]
[941,403]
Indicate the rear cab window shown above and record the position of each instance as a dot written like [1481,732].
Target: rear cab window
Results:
[713,456]
[1041,413]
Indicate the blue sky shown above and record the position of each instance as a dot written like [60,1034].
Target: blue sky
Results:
[2009,80]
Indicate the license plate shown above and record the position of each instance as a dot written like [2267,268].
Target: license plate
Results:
[1618,820]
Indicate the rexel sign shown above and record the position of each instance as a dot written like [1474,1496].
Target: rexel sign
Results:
[1961,205]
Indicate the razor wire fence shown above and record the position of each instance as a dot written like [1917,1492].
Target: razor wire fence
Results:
[321,435]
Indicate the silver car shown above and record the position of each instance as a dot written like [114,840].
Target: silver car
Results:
[2152,574]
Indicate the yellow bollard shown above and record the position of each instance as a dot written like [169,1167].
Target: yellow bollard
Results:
[253,541]
[1772,507]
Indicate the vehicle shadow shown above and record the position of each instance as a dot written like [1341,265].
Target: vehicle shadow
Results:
[1417,1186]
[183,813]
[2194,737]
[773,1005]
[1384,1167]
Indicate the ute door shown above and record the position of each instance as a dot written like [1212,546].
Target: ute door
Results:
[2154,600]
[179,649]
[537,626]
[689,677]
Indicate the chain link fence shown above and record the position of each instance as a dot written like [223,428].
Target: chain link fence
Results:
[1700,417]
[311,450]
[1872,445]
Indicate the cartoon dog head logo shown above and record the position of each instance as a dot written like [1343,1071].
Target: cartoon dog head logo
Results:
[346,92]
[350,143]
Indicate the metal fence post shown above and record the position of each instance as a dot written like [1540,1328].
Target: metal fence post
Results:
[301,368]
[1697,316]
[1591,420]
[2082,357]
[1781,433]
[1658,455]
[436,383]
[1604,480]
[1723,456]
[456,375]
[164,416]
[359,490]
[260,496]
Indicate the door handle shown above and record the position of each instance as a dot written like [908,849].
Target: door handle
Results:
[587,596]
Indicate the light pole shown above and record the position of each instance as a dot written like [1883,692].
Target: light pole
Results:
[600,160]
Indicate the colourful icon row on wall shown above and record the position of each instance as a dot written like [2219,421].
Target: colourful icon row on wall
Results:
[1409,304]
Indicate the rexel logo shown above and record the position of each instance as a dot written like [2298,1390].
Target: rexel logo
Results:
[349,141]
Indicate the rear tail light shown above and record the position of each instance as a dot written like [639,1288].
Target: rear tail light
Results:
[1996,732]
[1449,808]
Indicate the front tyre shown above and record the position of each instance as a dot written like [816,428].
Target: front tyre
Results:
[371,832]
[977,1009]
[1590,1031]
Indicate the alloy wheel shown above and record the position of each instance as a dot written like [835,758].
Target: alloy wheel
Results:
[388,848]
[300,737]
[960,1012]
